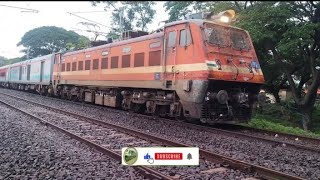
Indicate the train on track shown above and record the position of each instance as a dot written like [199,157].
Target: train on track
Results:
[197,69]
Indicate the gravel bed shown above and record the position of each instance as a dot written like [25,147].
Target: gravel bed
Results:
[29,150]
[287,160]
[106,137]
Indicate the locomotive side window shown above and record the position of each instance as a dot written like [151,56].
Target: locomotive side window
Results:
[172,39]
[154,58]
[80,65]
[87,65]
[74,66]
[185,37]
[138,59]
[68,66]
[126,61]
[63,67]
[95,64]
[114,62]
[104,63]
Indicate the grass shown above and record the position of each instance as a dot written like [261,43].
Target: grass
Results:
[268,125]
[278,117]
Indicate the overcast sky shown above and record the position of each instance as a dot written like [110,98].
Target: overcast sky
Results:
[14,23]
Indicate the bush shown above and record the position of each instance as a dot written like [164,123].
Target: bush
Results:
[266,124]
[285,114]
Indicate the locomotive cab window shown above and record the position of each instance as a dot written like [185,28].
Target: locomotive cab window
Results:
[185,37]
[172,39]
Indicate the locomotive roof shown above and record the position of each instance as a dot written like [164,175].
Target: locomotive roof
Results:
[146,37]
[142,38]
[198,22]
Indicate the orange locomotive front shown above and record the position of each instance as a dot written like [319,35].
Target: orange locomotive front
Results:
[195,69]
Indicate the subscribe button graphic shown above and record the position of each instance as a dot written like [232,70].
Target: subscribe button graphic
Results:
[162,156]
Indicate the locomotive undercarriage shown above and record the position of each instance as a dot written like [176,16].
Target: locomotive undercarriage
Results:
[223,102]
[229,102]
[153,102]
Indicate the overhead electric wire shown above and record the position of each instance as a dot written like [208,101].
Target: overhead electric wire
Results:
[33,10]
[87,12]
[88,20]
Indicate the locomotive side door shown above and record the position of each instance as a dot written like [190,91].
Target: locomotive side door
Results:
[170,56]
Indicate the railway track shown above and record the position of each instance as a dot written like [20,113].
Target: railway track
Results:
[274,134]
[230,162]
[288,140]
[145,171]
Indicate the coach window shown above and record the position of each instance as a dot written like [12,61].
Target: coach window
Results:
[87,65]
[68,66]
[74,66]
[80,65]
[95,64]
[104,63]
[172,39]
[185,37]
[114,62]
[138,59]
[125,61]
[63,67]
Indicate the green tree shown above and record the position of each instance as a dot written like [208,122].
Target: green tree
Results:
[180,9]
[136,14]
[83,42]
[48,39]
[289,31]
[3,60]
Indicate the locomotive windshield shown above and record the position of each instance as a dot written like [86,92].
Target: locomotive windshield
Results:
[224,36]
[215,35]
[239,39]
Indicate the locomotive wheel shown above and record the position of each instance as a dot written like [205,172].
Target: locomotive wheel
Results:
[138,108]
[163,110]
[192,120]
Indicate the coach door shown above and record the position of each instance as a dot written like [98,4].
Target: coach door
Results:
[42,71]
[170,56]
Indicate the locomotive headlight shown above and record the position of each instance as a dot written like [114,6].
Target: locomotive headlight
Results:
[225,16]
[224,19]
